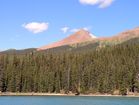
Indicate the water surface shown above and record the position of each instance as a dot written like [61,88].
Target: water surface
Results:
[61,100]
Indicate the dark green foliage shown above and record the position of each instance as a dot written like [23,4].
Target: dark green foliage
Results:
[123,90]
[103,70]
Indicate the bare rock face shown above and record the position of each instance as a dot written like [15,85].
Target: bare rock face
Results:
[78,37]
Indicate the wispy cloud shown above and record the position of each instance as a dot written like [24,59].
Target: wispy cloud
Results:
[77,29]
[85,28]
[36,27]
[65,29]
[100,3]
[73,30]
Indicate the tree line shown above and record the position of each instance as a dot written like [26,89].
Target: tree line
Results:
[103,70]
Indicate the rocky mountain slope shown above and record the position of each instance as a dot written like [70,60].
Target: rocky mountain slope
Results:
[78,37]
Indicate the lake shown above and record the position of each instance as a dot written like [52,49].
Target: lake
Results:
[61,100]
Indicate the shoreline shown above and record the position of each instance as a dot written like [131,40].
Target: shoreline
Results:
[58,94]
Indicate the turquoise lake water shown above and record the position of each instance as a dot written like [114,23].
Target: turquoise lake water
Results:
[61,100]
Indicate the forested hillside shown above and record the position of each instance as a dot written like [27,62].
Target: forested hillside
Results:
[102,70]
[14,51]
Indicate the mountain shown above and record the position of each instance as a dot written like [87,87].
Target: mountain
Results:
[78,37]
[83,38]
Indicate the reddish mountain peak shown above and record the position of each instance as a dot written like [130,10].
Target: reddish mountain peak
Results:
[81,35]
[78,37]
[82,32]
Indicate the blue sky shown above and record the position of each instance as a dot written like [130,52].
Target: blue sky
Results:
[33,23]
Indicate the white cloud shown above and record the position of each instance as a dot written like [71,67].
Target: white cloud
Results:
[36,27]
[74,30]
[77,29]
[100,3]
[105,3]
[85,28]
[90,2]
[65,29]
[68,29]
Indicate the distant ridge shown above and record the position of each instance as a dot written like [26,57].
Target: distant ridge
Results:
[14,51]
[126,35]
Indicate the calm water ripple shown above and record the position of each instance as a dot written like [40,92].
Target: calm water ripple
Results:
[61,100]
